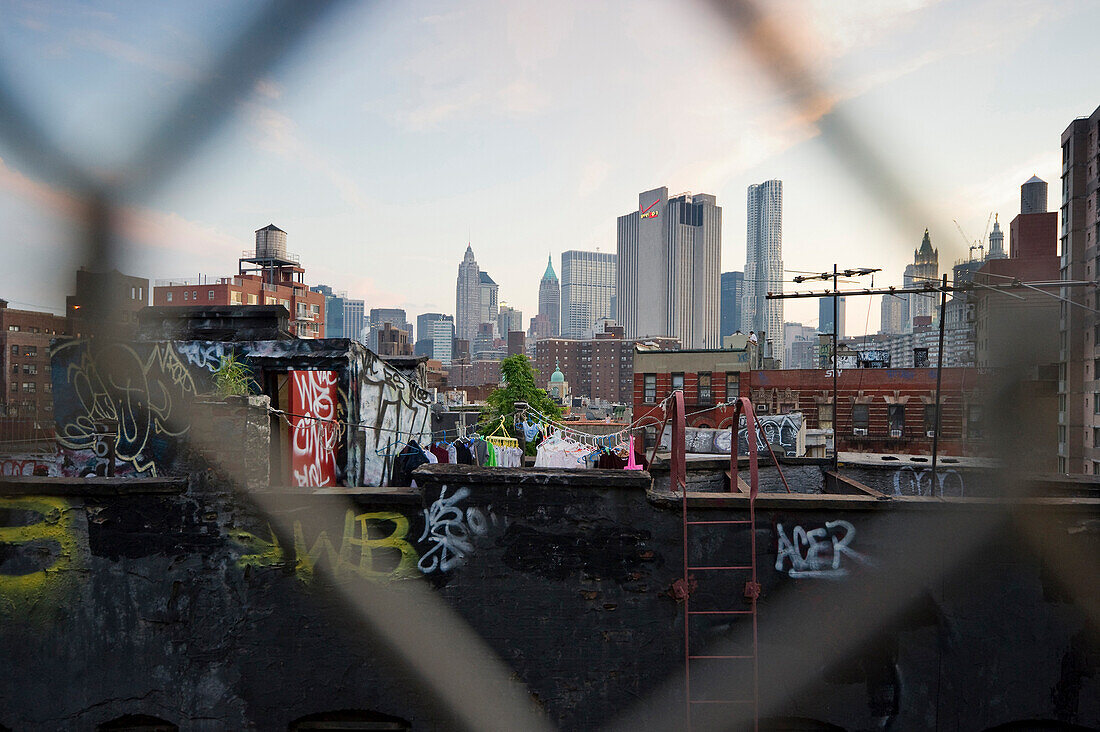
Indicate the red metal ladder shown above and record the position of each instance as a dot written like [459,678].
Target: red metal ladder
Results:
[684,587]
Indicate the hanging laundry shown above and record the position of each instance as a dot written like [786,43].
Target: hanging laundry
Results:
[409,459]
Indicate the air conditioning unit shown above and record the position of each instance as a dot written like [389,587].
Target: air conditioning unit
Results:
[859,431]
[930,433]
[895,433]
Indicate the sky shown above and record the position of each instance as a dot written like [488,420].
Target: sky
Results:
[395,133]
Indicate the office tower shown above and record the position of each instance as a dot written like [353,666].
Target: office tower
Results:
[488,298]
[894,314]
[425,325]
[764,263]
[508,320]
[1078,399]
[378,319]
[468,297]
[550,298]
[1033,196]
[669,268]
[443,339]
[731,291]
[587,288]
[825,315]
[924,269]
[996,242]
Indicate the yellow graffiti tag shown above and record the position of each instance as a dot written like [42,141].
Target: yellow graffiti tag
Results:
[379,558]
[49,543]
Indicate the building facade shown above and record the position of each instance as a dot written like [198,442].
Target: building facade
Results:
[270,276]
[597,368]
[587,290]
[489,291]
[110,299]
[468,297]
[443,333]
[669,268]
[924,269]
[549,303]
[1079,383]
[732,287]
[25,337]
[508,319]
[894,314]
[764,263]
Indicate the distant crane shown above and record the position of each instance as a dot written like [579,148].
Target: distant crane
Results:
[977,245]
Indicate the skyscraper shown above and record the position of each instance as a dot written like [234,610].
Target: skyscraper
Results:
[378,319]
[825,315]
[733,284]
[669,264]
[354,320]
[924,269]
[488,297]
[764,263]
[425,332]
[443,331]
[1033,196]
[587,289]
[550,298]
[508,320]
[468,297]
[894,314]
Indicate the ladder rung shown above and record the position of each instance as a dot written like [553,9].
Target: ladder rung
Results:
[749,656]
[719,612]
[696,523]
[720,701]
[745,566]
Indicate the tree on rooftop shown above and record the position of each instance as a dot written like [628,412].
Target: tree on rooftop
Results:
[519,386]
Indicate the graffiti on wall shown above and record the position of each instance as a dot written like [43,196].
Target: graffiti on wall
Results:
[378,545]
[205,355]
[147,395]
[40,555]
[313,429]
[15,466]
[780,430]
[823,552]
[450,530]
[909,481]
[392,411]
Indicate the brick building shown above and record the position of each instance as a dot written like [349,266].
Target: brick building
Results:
[879,410]
[106,299]
[393,341]
[25,337]
[269,276]
[598,368]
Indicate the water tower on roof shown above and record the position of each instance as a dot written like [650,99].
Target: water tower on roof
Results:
[270,260]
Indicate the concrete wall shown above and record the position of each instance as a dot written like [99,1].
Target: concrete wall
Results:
[211,609]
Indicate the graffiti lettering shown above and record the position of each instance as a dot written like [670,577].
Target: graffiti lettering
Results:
[393,411]
[908,481]
[206,355]
[451,531]
[373,546]
[817,552]
[29,466]
[313,430]
[39,553]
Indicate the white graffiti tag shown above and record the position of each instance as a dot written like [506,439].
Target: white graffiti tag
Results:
[911,482]
[204,355]
[451,530]
[817,552]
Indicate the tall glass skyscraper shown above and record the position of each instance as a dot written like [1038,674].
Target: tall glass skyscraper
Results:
[732,288]
[468,297]
[587,290]
[669,262]
[764,264]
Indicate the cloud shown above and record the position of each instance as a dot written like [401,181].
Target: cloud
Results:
[128,53]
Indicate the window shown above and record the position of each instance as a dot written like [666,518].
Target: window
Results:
[677,382]
[28,387]
[15,387]
[825,416]
[860,416]
[186,294]
[929,418]
[133,293]
[705,393]
[234,298]
[168,297]
[1095,437]
[895,419]
[32,329]
[15,350]
[649,388]
[194,294]
[14,328]
[1096,403]
[30,368]
[30,350]
[209,294]
[974,421]
[15,368]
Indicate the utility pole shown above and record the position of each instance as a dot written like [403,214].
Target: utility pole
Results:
[939,383]
[836,332]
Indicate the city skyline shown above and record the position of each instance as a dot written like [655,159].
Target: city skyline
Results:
[286,156]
